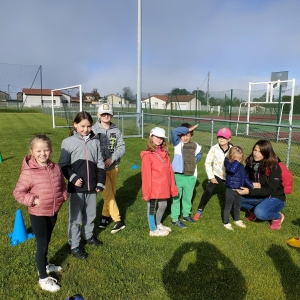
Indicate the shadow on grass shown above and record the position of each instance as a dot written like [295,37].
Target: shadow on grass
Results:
[209,274]
[289,272]
[296,222]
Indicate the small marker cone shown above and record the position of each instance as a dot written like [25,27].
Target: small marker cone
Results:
[19,234]
[134,167]
[1,158]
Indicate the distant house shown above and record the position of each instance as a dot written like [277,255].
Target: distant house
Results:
[174,102]
[115,100]
[4,96]
[42,97]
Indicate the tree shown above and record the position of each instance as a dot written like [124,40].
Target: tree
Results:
[128,94]
[96,95]
[177,91]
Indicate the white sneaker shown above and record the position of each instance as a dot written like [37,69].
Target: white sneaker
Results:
[228,226]
[163,227]
[240,223]
[158,232]
[53,268]
[49,284]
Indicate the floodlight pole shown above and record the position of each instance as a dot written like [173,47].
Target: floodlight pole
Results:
[139,63]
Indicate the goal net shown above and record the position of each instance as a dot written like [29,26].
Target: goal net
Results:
[66,103]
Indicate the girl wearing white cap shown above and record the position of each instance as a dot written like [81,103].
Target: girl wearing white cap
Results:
[158,183]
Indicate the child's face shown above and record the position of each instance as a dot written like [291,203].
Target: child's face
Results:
[186,138]
[84,127]
[238,156]
[157,141]
[222,141]
[105,118]
[41,152]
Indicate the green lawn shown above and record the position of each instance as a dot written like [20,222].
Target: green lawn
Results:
[204,261]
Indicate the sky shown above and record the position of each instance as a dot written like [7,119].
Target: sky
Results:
[94,43]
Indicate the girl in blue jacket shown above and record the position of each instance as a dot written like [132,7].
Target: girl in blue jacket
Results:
[236,177]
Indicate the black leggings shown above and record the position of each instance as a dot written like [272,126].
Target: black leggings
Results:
[42,227]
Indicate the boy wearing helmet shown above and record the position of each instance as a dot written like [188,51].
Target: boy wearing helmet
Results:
[214,167]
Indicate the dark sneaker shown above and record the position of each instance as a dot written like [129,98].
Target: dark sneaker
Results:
[197,215]
[104,222]
[94,241]
[117,227]
[179,224]
[188,219]
[78,253]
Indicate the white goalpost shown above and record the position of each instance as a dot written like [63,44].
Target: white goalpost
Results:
[61,102]
[270,86]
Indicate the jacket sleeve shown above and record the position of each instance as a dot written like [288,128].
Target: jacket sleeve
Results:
[209,164]
[198,153]
[247,182]
[271,185]
[146,177]
[176,133]
[22,190]
[174,189]
[65,163]
[64,186]
[120,148]
[101,173]
[231,167]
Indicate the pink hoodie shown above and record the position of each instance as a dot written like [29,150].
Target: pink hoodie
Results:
[44,182]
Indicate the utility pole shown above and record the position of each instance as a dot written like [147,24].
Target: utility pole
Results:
[8,91]
[207,91]
[139,62]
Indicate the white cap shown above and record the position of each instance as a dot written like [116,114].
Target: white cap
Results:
[105,108]
[159,132]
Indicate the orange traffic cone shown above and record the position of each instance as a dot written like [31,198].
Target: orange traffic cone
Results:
[19,234]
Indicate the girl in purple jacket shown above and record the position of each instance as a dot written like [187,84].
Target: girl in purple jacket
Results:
[41,187]
[236,177]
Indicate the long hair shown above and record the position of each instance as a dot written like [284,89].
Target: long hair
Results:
[83,115]
[234,150]
[269,160]
[152,147]
[42,137]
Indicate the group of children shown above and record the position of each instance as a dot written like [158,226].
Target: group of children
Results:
[89,161]
[162,180]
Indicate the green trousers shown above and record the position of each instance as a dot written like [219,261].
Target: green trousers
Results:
[185,185]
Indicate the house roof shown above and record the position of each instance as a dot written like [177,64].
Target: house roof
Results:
[38,92]
[173,98]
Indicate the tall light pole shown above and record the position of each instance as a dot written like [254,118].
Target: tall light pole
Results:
[8,91]
[139,59]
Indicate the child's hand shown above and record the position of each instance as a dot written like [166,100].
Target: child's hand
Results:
[79,182]
[214,180]
[193,127]
[256,185]
[99,190]
[108,163]
[36,202]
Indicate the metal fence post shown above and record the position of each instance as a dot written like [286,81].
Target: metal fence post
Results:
[212,133]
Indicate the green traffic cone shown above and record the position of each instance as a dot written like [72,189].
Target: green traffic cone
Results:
[1,159]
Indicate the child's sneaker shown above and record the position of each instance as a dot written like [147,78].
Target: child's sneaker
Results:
[251,216]
[240,223]
[188,219]
[163,227]
[197,215]
[179,224]
[276,224]
[94,241]
[158,232]
[49,284]
[104,222]
[53,268]
[228,226]
[117,227]
[78,253]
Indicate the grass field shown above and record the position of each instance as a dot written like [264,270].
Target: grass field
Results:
[204,261]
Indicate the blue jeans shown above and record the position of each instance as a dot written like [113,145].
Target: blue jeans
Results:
[264,208]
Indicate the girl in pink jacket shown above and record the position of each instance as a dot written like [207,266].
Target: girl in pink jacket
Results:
[41,187]
[158,183]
